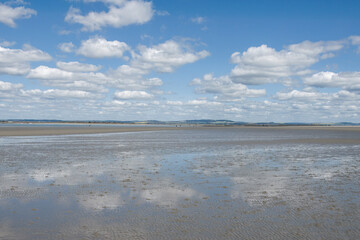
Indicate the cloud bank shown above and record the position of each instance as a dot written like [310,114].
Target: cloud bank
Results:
[119,14]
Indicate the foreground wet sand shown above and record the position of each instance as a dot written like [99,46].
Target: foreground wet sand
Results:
[206,183]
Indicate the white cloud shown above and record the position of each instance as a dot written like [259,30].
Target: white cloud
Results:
[99,47]
[16,61]
[355,40]
[345,80]
[57,93]
[166,56]
[64,32]
[225,87]
[7,44]
[130,78]
[7,86]
[344,95]
[133,95]
[312,106]
[198,20]
[77,67]
[88,81]
[111,2]
[203,102]
[121,13]
[127,77]
[261,65]
[8,15]
[162,13]
[47,73]
[82,76]
[16,91]
[16,2]
[153,82]
[319,100]
[176,103]
[67,47]
[300,95]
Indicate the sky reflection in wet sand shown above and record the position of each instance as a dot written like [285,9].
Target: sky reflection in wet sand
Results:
[204,183]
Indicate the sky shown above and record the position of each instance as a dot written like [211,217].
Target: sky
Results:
[253,61]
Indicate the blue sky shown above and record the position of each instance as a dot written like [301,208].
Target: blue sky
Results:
[282,61]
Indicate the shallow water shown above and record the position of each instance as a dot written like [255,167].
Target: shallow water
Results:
[238,183]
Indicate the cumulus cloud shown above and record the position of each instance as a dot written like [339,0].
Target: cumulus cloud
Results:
[16,61]
[86,81]
[115,2]
[16,2]
[355,40]
[77,67]
[300,95]
[166,56]
[198,20]
[128,95]
[83,76]
[175,103]
[120,13]
[312,106]
[7,44]
[67,47]
[130,78]
[162,13]
[345,95]
[307,101]
[8,14]
[99,47]
[203,102]
[47,73]
[13,91]
[225,87]
[345,80]
[9,87]
[263,64]
[56,93]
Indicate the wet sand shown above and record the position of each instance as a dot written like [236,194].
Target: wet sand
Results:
[205,183]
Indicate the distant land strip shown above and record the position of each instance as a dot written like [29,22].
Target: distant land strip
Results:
[203,122]
[42,128]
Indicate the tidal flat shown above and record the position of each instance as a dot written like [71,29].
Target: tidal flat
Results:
[193,183]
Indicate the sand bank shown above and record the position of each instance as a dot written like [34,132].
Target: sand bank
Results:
[29,130]
[67,130]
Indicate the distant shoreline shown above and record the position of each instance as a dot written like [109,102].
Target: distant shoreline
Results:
[203,122]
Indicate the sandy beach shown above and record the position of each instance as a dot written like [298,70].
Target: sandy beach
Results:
[69,130]
[65,129]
